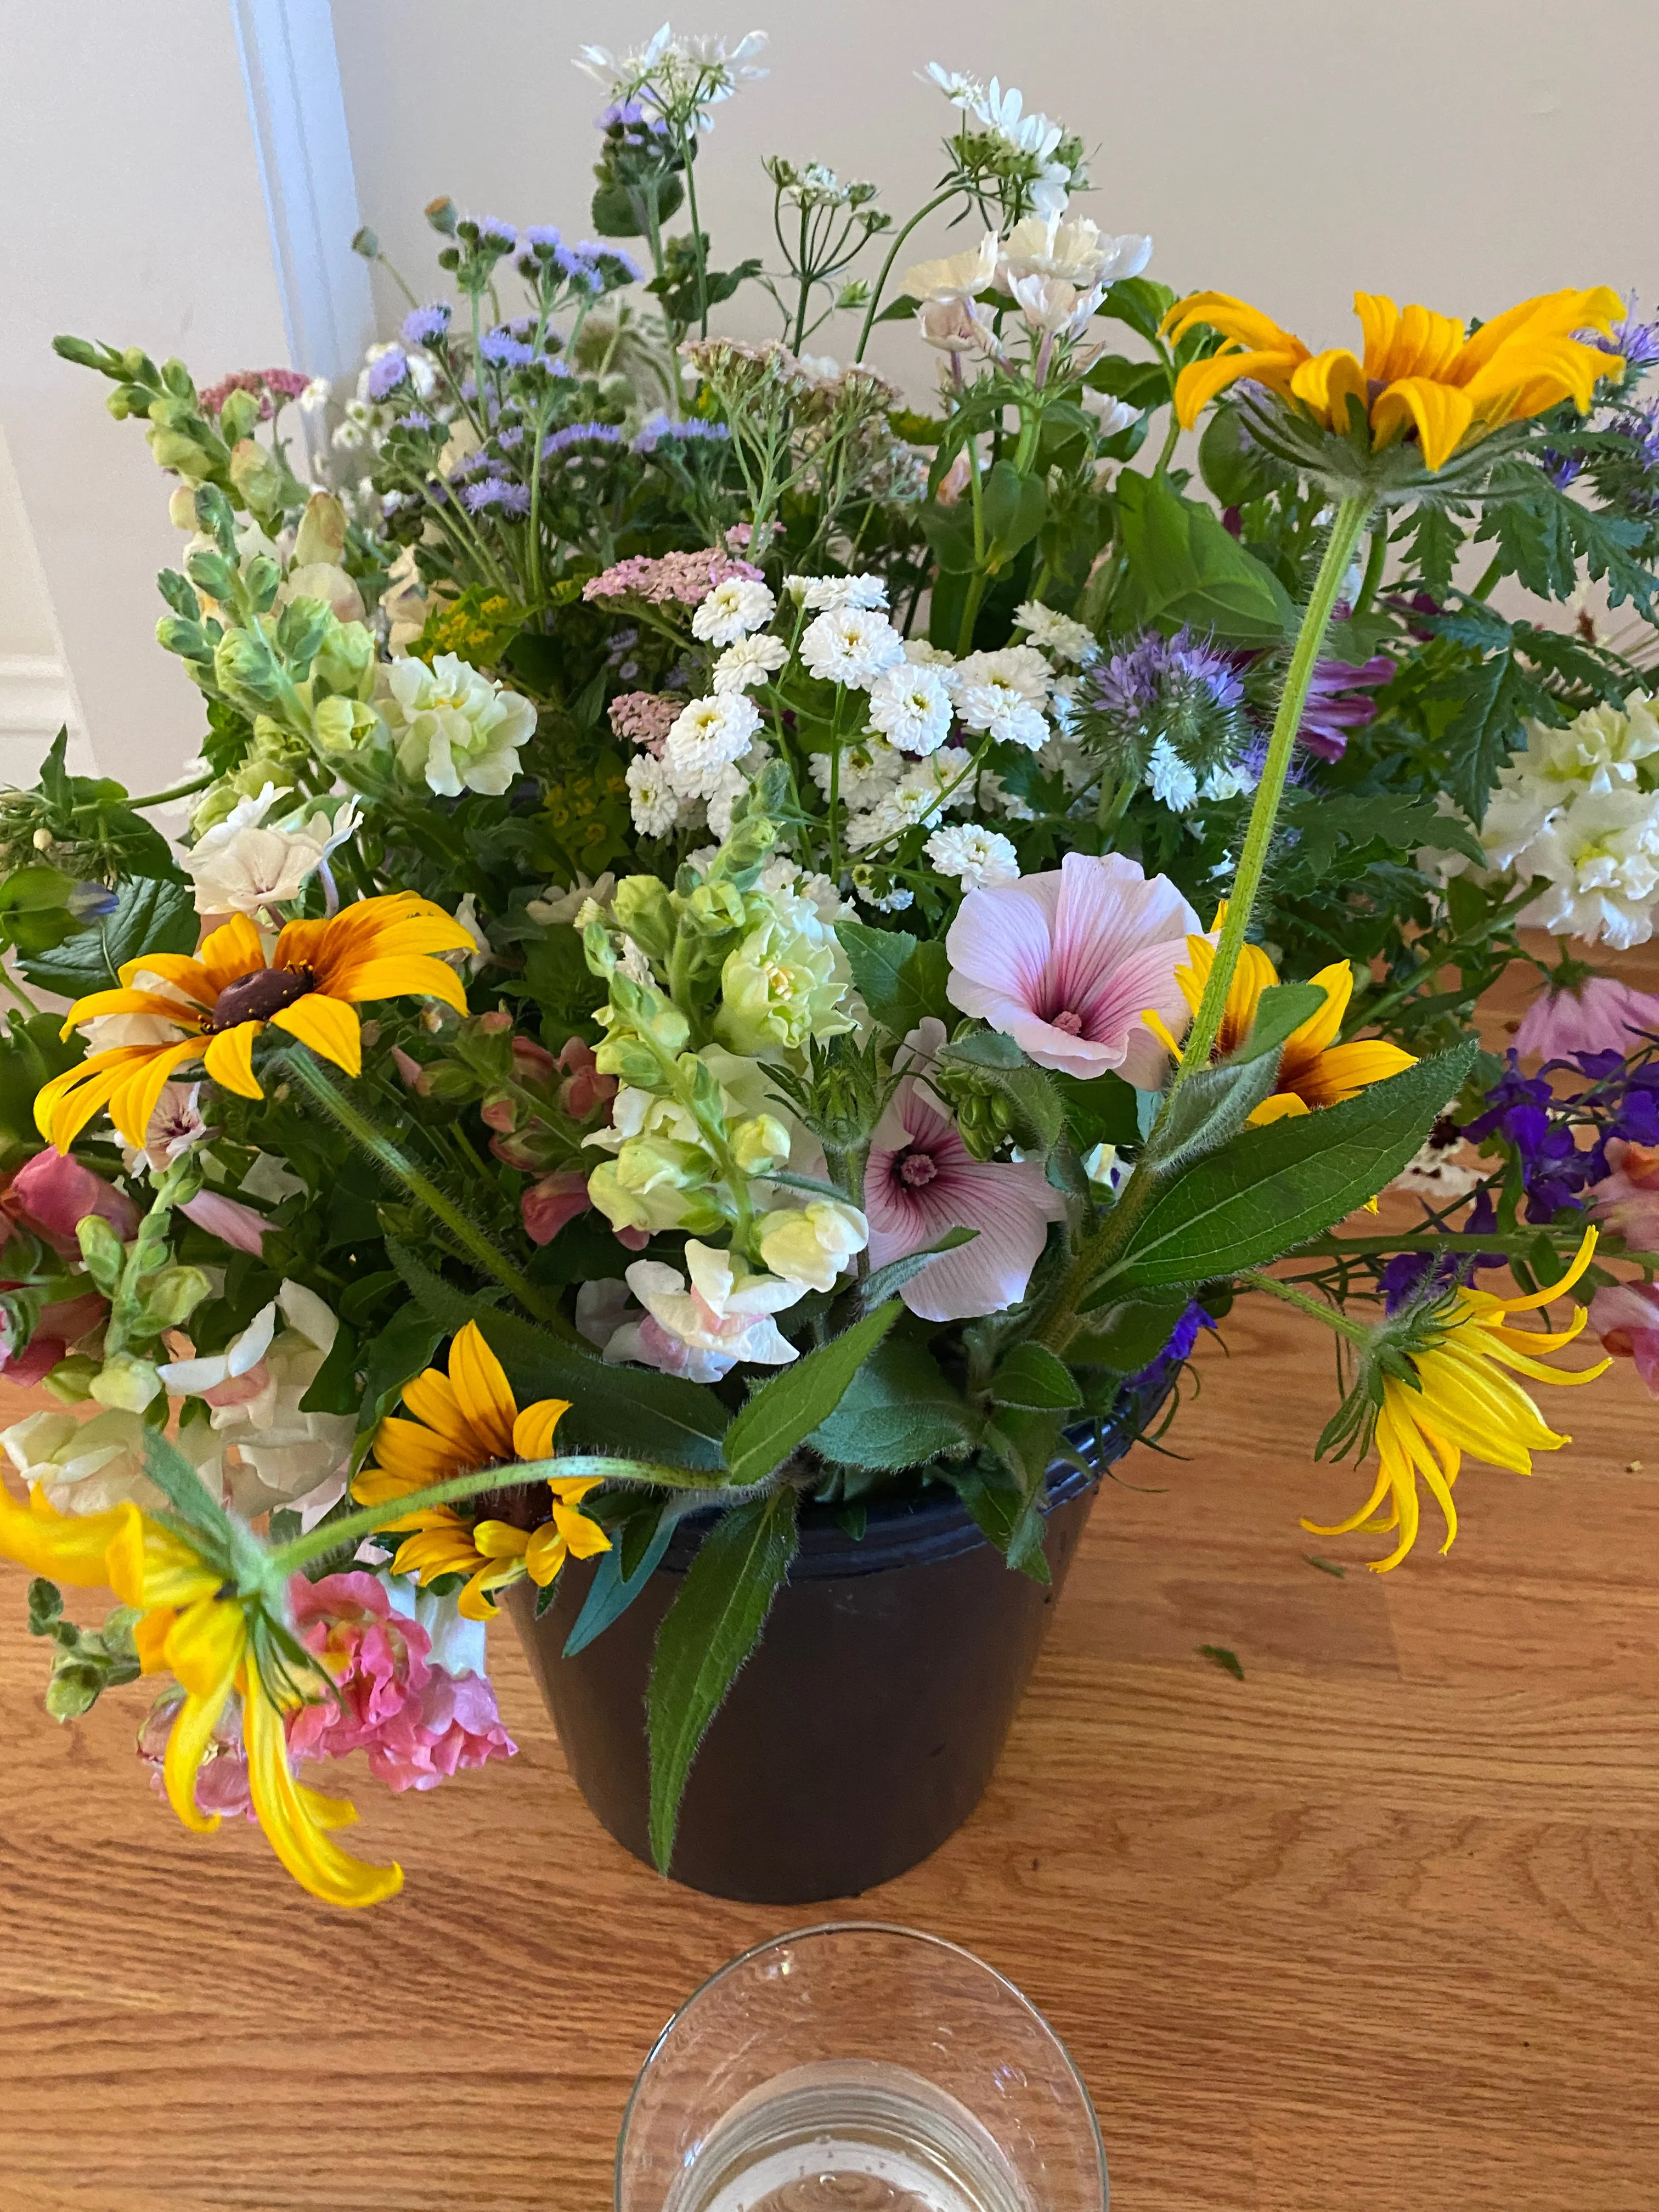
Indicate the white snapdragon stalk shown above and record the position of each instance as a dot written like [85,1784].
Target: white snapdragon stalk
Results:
[813,1245]
[247,865]
[724,1314]
[454,729]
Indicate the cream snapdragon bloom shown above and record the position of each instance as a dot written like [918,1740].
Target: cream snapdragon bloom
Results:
[454,729]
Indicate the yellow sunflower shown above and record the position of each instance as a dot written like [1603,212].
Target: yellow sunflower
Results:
[1464,1402]
[220,998]
[1314,1069]
[193,1624]
[466,1420]
[1419,370]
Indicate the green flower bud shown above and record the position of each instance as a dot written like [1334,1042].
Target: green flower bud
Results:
[70,1382]
[127,1382]
[210,572]
[174,449]
[785,982]
[345,659]
[649,1164]
[238,417]
[626,1058]
[715,909]
[249,673]
[102,1250]
[341,725]
[301,628]
[255,473]
[169,1299]
[642,909]
[599,951]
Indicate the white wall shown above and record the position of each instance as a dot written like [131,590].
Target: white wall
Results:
[1465,153]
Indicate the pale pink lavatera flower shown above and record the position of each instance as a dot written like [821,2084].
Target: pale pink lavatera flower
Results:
[1627,1197]
[921,1180]
[1067,962]
[417,1720]
[1626,1316]
[1602,1015]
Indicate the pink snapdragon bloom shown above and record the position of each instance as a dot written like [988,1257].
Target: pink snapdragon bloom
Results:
[1600,1015]
[1066,963]
[551,1201]
[221,1783]
[1627,1198]
[417,1721]
[60,1326]
[51,1193]
[921,1180]
[1626,1316]
[584,1090]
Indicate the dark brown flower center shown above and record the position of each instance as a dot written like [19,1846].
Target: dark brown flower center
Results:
[523,1505]
[258,996]
[916,1168]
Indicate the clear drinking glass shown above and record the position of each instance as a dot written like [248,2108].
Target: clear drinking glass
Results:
[858,2068]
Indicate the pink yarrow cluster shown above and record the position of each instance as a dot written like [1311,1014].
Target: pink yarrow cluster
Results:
[687,578]
[646,717]
[272,386]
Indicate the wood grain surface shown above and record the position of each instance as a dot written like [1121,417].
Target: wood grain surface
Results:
[1373,1928]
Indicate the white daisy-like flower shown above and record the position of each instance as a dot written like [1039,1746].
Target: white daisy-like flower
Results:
[850,645]
[654,802]
[782,873]
[922,654]
[748,661]
[998,706]
[868,772]
[867,886]
[980,859]
[706,737]
[1057,634]
[1170,778]
[732,609]
[729,786]
[911,706]
[819,593]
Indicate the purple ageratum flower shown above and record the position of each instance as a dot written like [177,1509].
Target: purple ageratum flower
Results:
[506,352]
[1337,703]
[386,374]
[542,235]
[493,232]
[655,428]
[427,325]
[580,433]
[497,492]
[417,419]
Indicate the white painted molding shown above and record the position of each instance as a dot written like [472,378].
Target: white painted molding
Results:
[35,698]
[292,76]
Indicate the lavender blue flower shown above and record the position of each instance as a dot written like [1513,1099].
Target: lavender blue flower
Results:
[580,433]
[386,374]
[1131,684]
[493,232]
[501,347]
[540,233]
[416,419]
[1638,341]
[497,492]
[655,428]
[427,325]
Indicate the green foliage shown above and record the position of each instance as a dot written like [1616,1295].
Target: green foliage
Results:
[151,915]
[85,1662]
[899,979]
[616,1583]
[709,1631]
[898,1411]
[30,1052]
[786,1410]
[1031,1376]
[1184,569]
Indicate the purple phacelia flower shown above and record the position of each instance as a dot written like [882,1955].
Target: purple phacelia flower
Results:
[1130,685]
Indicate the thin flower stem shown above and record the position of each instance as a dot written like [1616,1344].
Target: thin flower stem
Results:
[17,990]
[1350,520]
[185,790]
[380,1147]
[874,308]
[1356,1331]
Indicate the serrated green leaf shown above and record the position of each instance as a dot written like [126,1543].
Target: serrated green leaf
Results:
[898,1411]
[784,1411]
[1032,1376]
[150,916]
[1269,1189]
[708,1633]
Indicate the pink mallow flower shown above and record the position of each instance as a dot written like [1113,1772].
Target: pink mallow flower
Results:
[417,1722]
[921,1180]
[1627,1198]
[51,1193]
[1626,1316]
[1601,1015]
[1067,962]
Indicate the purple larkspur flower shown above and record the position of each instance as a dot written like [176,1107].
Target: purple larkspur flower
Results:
[386,374]
[427,325]
[1150,1384]
[1337,703]
[1553,1171]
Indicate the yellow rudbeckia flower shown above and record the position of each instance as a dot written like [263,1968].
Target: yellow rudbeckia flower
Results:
[1464,1402]
[466,1420]
[220,998]
[1314,1069]
[194,1623]
[1418,371]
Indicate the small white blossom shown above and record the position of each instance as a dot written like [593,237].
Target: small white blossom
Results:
[1601,854]
[654,802]
[850,645]
[957,276]
[454,729]
[245,864]
[706,737]
[1057,634]
[747,661]
[911,706]
[1112,415]
[1170,778]
[980,859]
[1071,247]
[732,609]
[728,787]
[557,904]
[868,771]
[820,593]
[894,900]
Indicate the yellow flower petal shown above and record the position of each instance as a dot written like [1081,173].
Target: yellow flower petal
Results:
[288,1816]
[69,1547]
[405,978]
[483,1392]
[532,1432]
[1441,414]
[205,1648]
[228,1060]
[331,1029]
[226,955]
[134,1100]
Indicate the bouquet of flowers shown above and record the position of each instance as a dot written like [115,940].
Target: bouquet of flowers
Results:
[741,946]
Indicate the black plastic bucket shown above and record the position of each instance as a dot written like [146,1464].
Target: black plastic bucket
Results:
[866,1724]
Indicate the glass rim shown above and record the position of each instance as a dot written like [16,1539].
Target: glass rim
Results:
[860,1928]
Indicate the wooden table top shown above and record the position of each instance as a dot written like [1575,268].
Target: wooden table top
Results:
[1373,1928]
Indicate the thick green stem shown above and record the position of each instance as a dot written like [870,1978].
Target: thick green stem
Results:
[1321,1312]
[1373,576]
[1350,519]
[471,1240]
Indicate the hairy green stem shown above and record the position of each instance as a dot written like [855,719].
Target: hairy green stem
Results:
[1355,1330]
[380,1147]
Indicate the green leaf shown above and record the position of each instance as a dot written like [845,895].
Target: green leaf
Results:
[631,1412]
[785,1410]
[334,1387]
[706,1634]
[1139,302]
[1032,1376]
[1128,1333]
[150,916]
[1233,465]
[1100,1110]
[1026,1442]
[1218,1656]
[1436,539]
[45,1602]
[399,1352]
[898,1411]
[185,1490]
[901,980]
[999,1061]
[1269,1190]
[1142,384]
[1211,1105]
[1013,508]
[894,1276]
[615,1587]
[1184,568]
[1280,1011]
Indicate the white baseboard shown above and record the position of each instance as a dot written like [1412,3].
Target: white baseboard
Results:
[36,702]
